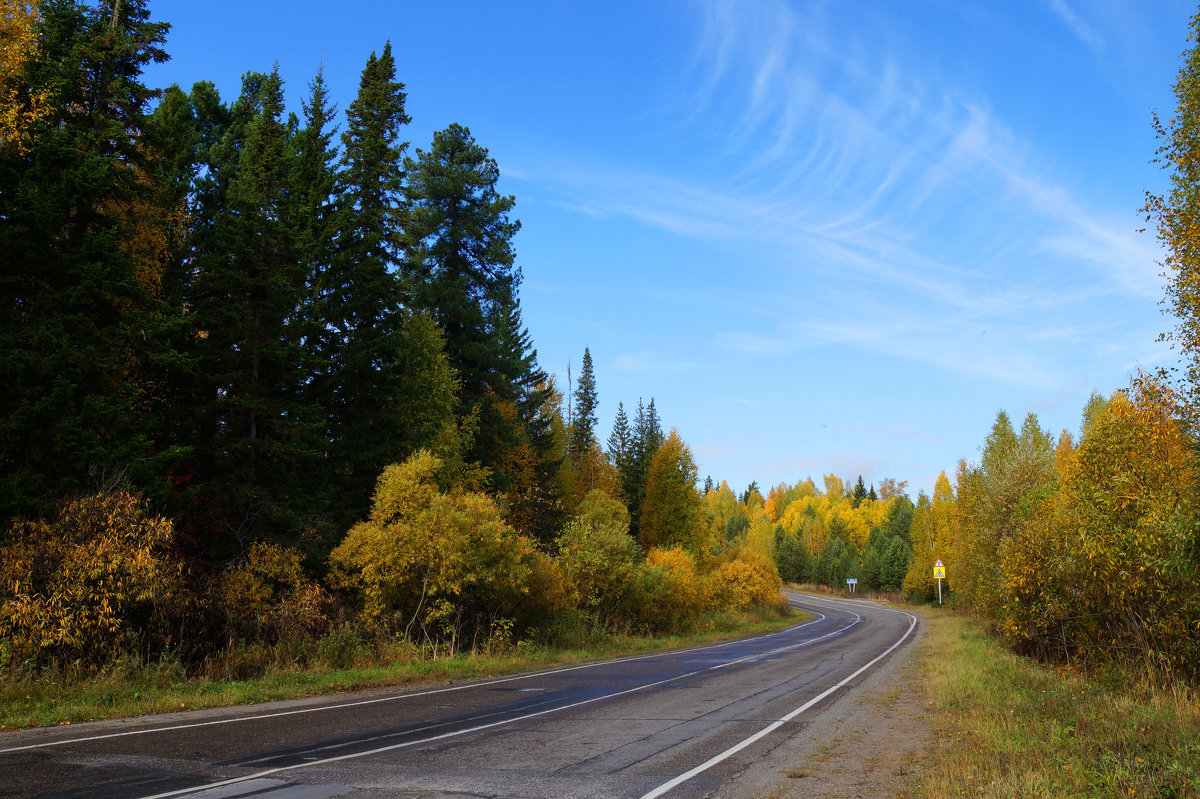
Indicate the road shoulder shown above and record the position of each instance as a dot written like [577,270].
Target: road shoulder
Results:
[872,743]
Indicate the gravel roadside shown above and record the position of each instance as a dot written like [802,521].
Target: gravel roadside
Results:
[872,743]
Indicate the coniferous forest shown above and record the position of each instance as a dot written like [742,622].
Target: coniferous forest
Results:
[267,376]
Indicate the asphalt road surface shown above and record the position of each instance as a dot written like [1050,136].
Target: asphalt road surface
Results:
[679,724]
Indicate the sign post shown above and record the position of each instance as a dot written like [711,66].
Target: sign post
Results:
[939,571]
[852,584]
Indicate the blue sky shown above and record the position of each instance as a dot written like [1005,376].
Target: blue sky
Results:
[824,236]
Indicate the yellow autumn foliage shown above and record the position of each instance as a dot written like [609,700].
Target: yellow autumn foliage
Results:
[20,105]
[267,596]
[672,590]
[934,533]
[747,581]
[1086,551]
[434,563]
[88,584]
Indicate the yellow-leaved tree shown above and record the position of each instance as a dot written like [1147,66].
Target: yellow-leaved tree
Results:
[1129,532]
[20,103]
[672,512]
[934,534]
[441,564]
[1176,214]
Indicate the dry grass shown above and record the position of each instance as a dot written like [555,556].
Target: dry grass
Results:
[1009,727]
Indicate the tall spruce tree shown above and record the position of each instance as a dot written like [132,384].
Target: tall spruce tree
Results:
[314,187]
[535,507]
[461,262]
[620,443]
[362,326]
[647,438]
[80,287]
[256,440]
[583,422]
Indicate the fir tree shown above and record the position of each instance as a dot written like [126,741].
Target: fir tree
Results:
[536,508]
[461,266]
[361,332]
[620,442]
[860,492]
[583,422]
[83,264]
[255,437]
[647,438]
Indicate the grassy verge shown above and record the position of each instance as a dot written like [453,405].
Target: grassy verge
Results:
[1007,726]
[51,699]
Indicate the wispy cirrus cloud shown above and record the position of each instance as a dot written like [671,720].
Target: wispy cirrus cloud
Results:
[880,192]
[1077,25]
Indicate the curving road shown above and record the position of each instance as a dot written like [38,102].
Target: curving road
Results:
[678,724]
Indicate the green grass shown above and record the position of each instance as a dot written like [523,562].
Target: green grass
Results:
[125,689]
[1010,727]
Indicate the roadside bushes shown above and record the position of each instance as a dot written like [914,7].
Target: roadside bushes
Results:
[94,582]
[748,580]
[266,596]
[1117,543]
[439,564]
[434,568]
[1087,551]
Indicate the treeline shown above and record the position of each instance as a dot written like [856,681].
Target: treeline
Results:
[830,534]
[267,378]
[1086,550]
[1076,548]
[247,312]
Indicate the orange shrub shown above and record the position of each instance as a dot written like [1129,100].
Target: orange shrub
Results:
[266,595]
[670,589]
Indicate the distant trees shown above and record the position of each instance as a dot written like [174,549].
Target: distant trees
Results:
[581,437]
[827,537]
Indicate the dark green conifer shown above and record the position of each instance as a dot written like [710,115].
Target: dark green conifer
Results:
[583,421]
[80,294]
[461,266]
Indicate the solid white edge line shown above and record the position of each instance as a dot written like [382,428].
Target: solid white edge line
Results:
[393,747]
[705,766]
[397,697]
[432,738]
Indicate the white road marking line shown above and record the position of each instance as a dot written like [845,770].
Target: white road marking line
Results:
[765,731]
[406,744]
[432,738]
[396,697]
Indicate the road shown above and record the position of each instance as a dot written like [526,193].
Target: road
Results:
[679,724]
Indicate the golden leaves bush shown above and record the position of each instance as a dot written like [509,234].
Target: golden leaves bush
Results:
[89,584]
[1129,511]
[748,581]
[267,596]
[671,590]
[1088,551]
[442,564]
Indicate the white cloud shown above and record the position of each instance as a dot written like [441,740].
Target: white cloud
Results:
[897,214]
[1077,25]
